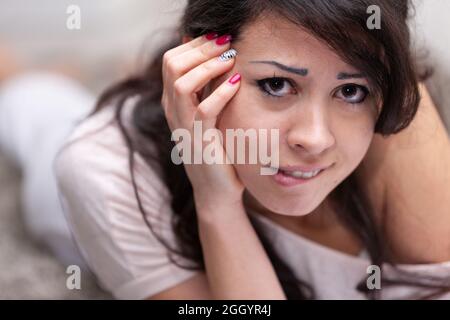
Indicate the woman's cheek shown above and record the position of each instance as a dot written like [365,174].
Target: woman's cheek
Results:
[243,111]
[355,144]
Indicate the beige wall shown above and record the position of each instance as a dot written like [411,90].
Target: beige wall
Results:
[432,28]
[113,30]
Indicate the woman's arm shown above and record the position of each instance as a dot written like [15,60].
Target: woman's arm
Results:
[237,267]
[195,288]
[407,179]
[236,263]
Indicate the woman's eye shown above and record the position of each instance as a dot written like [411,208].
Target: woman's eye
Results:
[352,93]
[277,87]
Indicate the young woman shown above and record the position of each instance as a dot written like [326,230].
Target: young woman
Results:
[362,178]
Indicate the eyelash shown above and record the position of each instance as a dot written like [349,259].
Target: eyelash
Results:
[263,82]
[364,89]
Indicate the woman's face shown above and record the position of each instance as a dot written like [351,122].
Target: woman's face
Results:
[319,104]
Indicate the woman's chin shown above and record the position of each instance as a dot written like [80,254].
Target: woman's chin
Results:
[291,207]
[286,209]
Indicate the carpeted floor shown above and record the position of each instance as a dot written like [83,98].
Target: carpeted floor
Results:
[28,271]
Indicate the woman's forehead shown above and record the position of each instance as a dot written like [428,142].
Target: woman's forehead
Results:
[278,40]
[274,27]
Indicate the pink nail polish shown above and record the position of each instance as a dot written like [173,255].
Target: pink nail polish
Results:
[235,79]
[211,35]
[223,40]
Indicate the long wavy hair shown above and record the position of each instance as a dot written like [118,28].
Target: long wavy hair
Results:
[384,55]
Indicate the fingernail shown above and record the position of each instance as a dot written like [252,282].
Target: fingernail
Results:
[211,35]
[235,79]
[228,55]
[223,40]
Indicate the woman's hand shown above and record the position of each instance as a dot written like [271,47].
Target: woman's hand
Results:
[187,70]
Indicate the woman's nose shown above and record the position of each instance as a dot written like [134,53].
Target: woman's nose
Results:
[309,131]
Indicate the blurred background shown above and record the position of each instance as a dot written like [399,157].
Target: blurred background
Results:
[116,37]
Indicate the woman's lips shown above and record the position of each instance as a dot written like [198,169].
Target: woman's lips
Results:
[289,181]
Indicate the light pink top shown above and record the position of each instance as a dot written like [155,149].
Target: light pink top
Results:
[101,208]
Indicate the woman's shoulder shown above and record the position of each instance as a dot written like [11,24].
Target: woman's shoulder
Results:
[99,199]
[98,143]
[93,165]
[93,148]
[99,129]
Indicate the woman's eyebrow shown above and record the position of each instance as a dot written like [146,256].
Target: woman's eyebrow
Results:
[300,71]
[346,75]
[304,71]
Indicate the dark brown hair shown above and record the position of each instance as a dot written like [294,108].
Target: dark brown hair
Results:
[383,55]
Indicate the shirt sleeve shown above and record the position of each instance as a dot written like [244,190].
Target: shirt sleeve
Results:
[432,275]
[102,211]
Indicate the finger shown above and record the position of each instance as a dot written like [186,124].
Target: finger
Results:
[176,51]
[211,107]
[182,63]
[188,45]
[197,78]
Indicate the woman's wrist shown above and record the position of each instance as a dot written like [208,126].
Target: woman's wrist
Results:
[211,210]
[230,242]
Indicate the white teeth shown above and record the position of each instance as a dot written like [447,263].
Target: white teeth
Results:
[300,174]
